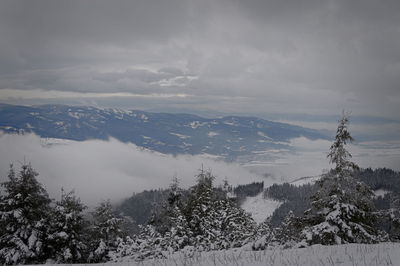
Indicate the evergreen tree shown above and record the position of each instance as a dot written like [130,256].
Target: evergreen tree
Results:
[215,220]
[24,209]
[236,226]
[288,234]
[338,154]
[342,209]
[263,236]
[203,218]
[107,230]
[179,233]
[67,228]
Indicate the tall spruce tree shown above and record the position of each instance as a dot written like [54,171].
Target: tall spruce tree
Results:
[67,227]
[338,154]
[203,218]
[107,229]
[24,212]
[342,208]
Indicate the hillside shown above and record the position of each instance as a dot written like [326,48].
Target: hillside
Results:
[228,137]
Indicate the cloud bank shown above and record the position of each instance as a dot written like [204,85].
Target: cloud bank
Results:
[108,169]
[111,169]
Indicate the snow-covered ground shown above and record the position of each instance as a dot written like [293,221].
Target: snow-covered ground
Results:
[260,208]
[381,192]
[343,255]
[305,180]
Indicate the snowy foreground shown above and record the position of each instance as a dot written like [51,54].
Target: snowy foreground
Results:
[343,255]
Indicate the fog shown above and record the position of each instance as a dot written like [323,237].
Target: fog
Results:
[107,169]
[99,170]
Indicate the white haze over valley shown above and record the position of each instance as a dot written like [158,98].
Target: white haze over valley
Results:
[99,170]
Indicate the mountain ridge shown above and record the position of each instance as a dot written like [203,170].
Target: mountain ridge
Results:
[229,137]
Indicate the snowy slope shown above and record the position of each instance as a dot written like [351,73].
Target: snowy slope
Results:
[260,208]
[305,180]
[343,255]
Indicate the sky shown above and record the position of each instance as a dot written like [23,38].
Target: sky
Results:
[252,57]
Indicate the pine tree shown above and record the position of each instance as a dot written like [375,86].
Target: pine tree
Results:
[24,210]
[338,154]
[288,234]
[107,229]
[179,233]
[150,244]
[236,226]
[342,208]
[67,227]
[215,220]
[264,235]
[203,218]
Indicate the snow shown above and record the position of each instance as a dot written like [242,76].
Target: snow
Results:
[181,136]
[29,126]
[229,123]
[76,115]
[144,117]
[196,124]
[212,134]
[259,207]
[263,135]
[317,255]
[381,192]
[305,180]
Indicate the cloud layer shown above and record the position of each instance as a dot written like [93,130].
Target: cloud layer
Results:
[221,55]
[108,169]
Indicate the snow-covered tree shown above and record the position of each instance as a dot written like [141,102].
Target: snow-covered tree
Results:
[342,208]
[203,219]
[66,229]
[264,235]
[107,230]
[236,226]
[216,221]
[288,233]
[338,154]
[179,233]
[24,211]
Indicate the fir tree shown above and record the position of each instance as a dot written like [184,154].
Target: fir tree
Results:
[203,218]
[179,233]
[342,209]
[338,154]
[264,235]
[236,226]
[24,210]
[216,221]
[67,227]
[107,230]
[288,234]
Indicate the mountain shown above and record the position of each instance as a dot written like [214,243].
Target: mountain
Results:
[228,137]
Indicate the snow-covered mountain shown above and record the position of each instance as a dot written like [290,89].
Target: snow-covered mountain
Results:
[228,137]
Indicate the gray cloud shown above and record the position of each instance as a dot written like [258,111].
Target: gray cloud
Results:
[297,56]
[108,169]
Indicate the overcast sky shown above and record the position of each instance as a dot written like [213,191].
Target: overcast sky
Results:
[248,57]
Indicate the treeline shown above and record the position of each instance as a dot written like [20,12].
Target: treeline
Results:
[295,199]
[141,206]
[298,198]
[35,229]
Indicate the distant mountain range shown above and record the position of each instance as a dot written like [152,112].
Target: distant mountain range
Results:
[228,137]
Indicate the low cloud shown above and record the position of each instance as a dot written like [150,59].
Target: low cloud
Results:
[111,169]
[108,169]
